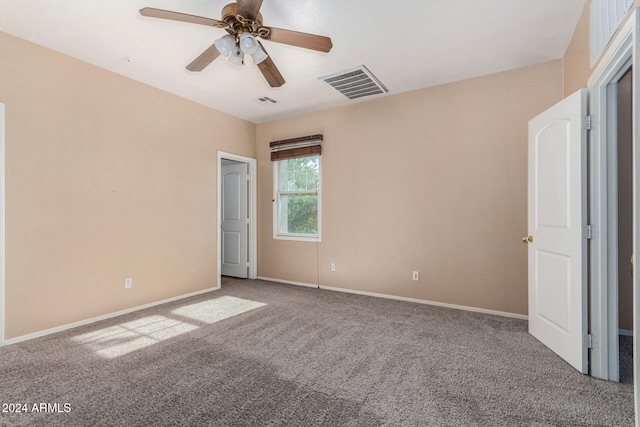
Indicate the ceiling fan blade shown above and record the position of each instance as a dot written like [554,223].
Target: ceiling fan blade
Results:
[296,38]
[270,71]
[249,8]
[205,58]
[177,16]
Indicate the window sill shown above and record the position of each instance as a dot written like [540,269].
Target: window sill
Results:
[297,238]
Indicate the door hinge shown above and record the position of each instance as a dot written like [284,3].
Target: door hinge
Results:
[588,122]
[588,232]
[588,341]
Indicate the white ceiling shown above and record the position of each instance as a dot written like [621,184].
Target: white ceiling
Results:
[408,45]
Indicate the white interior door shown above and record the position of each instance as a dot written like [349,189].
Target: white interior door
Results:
[557,214]
[235,220]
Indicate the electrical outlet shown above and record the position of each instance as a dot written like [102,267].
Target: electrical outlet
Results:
[416,276]
[128,283]
[333,266]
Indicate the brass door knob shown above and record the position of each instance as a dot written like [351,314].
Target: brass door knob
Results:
[527,239]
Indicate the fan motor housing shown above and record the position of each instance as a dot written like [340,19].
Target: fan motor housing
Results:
[230,11]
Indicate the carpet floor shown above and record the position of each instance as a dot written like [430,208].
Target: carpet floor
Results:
[257,353]
[626,359]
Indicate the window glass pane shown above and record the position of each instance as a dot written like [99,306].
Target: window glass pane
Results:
[300,174]
[298,214]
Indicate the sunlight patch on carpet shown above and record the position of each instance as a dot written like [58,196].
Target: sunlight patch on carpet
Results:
[218,309]
[131,336]
[127,337]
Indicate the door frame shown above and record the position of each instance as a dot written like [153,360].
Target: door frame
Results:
[252,247]
[622,52]
[603,256]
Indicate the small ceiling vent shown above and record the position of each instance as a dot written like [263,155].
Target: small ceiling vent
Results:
[355,83]
[265,100]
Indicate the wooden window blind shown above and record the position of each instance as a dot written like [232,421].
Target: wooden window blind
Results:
[294,148]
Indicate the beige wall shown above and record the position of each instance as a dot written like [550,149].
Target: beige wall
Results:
[576,61]
[106,178]
[433,180]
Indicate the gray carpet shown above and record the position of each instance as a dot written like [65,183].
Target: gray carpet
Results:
[626,359]
[258,353]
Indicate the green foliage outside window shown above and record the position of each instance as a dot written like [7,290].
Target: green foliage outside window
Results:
[298,193]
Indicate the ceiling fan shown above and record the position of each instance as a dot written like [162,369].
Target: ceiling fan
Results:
[243,23]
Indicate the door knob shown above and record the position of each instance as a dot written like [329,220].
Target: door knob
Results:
[527,239]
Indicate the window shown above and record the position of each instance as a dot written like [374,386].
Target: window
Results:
[296,188]
[605,17]
[297,198]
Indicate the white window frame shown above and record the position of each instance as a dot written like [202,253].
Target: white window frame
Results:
[276,206]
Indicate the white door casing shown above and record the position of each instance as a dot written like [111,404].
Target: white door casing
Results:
[556,217]
[235,220]
[603,297]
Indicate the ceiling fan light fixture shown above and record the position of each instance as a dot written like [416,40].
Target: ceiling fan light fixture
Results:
[236,56]
[248,43]
[225,44]
[242,21]
[259,56]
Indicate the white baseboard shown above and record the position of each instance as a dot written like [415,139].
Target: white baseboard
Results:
[268,279]
[103,317]
[427,302]
[393,297]
[288,282]
[625,332]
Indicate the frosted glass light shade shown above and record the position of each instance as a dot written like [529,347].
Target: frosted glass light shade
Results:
[225,44]
[248,43]
[259,56]
[236,56]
